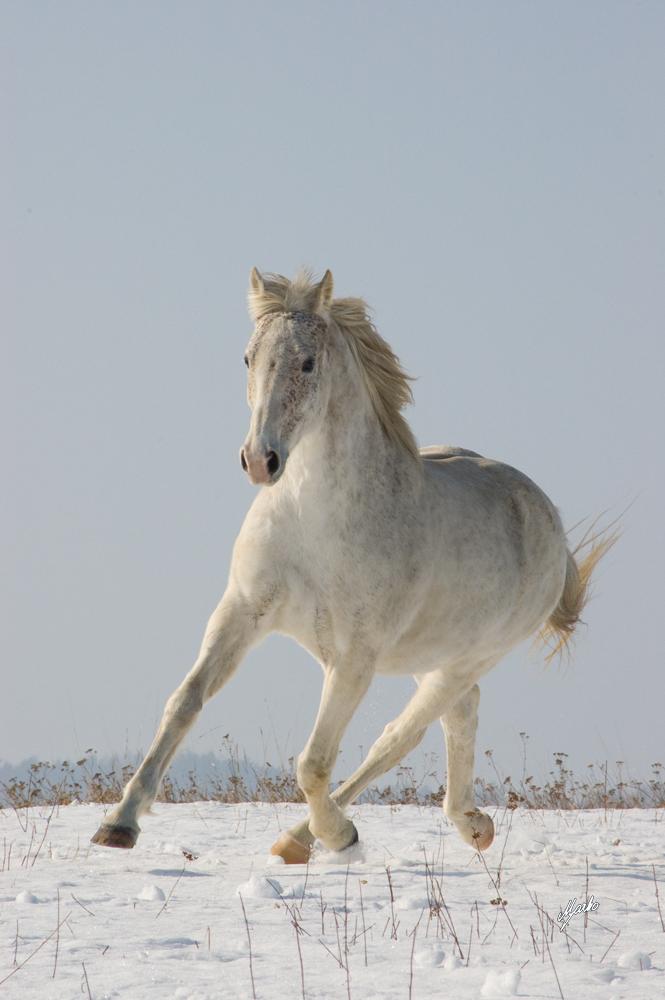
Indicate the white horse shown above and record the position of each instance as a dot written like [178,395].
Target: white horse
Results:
[375,557]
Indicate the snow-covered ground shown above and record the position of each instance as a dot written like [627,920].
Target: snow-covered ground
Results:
[151,923]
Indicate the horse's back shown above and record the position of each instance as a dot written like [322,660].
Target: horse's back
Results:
[488,482]
[435,452]
[492,523]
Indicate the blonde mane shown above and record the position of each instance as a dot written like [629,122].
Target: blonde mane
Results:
[385,380]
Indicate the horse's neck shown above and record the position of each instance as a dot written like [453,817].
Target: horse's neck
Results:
[348,458]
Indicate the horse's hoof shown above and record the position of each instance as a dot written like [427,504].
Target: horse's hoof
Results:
[354,840]
[115,836]
[483,830]
[293,852]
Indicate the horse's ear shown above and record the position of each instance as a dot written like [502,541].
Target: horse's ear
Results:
[255,282]
[256,294]
[324,294]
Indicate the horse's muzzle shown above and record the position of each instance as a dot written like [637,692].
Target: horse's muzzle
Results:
[263,467]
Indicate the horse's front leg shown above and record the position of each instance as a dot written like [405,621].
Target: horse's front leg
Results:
[343,690]
[233,629]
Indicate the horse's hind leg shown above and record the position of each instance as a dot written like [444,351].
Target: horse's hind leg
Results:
[435,692]
[459,725]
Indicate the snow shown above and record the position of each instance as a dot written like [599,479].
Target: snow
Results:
[155,923]
[152,893]
[634,960]
[501,983]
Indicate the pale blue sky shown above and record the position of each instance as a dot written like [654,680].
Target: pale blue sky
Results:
[489,176]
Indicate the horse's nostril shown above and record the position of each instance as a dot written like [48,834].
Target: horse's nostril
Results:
[243,460]
[273,463]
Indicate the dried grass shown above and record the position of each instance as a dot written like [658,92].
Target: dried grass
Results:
[603,786]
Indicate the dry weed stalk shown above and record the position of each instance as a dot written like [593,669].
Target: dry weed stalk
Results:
[438,907]
[546,923]
[85,980]
[362,911]
[414,932]
[393,932]
[249,941]
[26,960]
[614,939]
[655,882]
[57,938]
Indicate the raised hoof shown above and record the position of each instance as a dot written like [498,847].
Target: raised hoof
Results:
[483,830]
[115,836]
[293,852]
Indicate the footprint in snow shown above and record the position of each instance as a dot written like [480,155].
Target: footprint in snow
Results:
[606,974]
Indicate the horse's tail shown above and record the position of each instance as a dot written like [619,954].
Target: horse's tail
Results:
[560,627]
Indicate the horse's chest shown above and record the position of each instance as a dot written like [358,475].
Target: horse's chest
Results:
[337,599]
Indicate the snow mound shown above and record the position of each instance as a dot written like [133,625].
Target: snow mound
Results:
[26,897]
[260,888]
[524,843]
[634,960]
[298,888]
[152,893]
[275,860]
[428,958]
[501,983]
[412,901]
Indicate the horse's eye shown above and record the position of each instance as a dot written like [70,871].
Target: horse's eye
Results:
[246,360]
[308,365]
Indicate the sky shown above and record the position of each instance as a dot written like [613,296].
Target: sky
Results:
[489,177]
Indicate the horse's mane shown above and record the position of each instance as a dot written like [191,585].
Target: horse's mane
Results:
[385,380]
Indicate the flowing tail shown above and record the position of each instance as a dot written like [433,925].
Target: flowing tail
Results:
[560,627]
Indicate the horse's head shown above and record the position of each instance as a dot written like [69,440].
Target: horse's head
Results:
[287,387]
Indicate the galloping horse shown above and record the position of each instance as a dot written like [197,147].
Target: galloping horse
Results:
[375,556]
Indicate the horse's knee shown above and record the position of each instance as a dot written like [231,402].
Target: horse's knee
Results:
[313,776]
